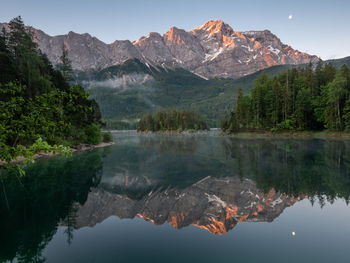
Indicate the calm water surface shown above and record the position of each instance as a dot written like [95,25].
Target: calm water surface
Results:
[182,198]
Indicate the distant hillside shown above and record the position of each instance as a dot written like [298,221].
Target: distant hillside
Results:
[125,92]
[340,62]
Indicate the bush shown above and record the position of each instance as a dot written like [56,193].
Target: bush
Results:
[107,137]
[76,135]
[93,134]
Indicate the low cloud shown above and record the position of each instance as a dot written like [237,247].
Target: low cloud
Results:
[127,82]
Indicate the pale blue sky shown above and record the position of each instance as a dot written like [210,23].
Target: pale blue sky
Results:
[319,27]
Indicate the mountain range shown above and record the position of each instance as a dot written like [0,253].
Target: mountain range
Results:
[214,204]
[211,50]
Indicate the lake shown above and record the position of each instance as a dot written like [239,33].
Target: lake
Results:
[182,198]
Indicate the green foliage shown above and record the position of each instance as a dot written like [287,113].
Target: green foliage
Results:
[298,99]
[38,107]
[93,134]
[9,154]
[335,94]
[107,137]
[172,121]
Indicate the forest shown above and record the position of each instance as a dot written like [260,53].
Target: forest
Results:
[311,98]
[172,121]
[41,109]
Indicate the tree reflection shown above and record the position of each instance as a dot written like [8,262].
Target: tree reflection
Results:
[317,168]
[170,144]
[41,200]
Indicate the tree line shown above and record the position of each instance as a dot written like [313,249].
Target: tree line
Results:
[172,121]
[39,104]
[299,99]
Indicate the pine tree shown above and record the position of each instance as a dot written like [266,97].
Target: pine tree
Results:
[329,72]
[259,103]
[31,66]
[286,98]
[303,109]
[336,94]
[276,102]
[319,74]
[345,72]
[65,67]
[7,72]
[239,109]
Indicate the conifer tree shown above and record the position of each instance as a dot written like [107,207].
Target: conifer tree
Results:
[66,65]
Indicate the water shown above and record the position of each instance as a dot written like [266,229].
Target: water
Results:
[182,198]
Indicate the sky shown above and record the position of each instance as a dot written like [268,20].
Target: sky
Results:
[318,27]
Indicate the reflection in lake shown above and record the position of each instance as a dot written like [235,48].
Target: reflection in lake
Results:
[214,204]
[205,181]
[34,205]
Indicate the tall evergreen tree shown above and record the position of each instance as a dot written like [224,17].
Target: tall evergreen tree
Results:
[239,109]
[7,72]
[65,67]
[336,94]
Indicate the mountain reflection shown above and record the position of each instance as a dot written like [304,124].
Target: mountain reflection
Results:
[215,186]
[210,182]
[215,204]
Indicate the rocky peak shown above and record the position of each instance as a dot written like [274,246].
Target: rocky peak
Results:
[175,35]
[153,48]
[147,40]
[214,27]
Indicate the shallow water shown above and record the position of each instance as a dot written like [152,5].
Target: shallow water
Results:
[182,198]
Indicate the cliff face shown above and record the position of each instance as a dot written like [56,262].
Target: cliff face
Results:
[214,204]
[211,50]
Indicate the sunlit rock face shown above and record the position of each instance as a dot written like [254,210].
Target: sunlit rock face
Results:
[211,50]
[214,204]
[230,53]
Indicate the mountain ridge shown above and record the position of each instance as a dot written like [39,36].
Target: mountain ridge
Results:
[211,50]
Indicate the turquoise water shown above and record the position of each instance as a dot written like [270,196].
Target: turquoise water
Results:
[182,198]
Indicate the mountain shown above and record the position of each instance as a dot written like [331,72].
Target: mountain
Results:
[214,204]
[211,50]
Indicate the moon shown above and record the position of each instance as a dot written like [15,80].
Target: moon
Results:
[290,17]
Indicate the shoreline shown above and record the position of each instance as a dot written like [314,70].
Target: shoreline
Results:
[75,149]
[288,135]
[174,132]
